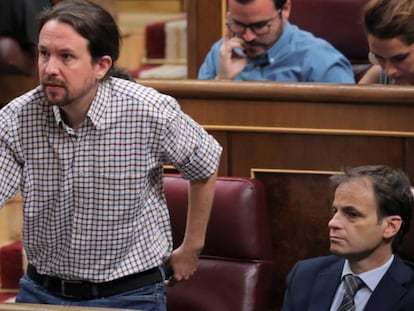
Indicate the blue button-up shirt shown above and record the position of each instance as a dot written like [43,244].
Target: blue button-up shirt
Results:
[297,56]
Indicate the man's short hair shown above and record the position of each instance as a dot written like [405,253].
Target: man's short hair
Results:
[278,3]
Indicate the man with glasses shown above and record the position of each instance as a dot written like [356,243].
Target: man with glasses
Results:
[261,44]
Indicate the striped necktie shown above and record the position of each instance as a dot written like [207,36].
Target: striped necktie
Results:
[352,285]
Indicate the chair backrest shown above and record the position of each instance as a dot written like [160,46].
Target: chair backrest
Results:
[339,22]
[236,266]
[14,59]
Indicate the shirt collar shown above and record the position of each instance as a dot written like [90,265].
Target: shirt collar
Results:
[277,50]
[371,278]
[261,61]
[100,103]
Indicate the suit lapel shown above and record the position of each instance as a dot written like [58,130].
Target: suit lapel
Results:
[324,287]
[392,286]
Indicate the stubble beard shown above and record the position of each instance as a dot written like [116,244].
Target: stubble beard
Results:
[54,100]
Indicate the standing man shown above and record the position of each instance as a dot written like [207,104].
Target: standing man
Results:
[372,211]
[87,151]
[261,44]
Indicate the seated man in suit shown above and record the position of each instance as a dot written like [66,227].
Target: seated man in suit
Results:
[389,26]
[372,209]
[261,44]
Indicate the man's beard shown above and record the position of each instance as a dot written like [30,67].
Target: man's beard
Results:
[256,49]
[53,101]
[52,97]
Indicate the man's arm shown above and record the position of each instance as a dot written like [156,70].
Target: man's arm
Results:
[184,259]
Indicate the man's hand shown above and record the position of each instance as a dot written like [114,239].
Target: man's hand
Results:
[184,259]
[231,63]
[183,263]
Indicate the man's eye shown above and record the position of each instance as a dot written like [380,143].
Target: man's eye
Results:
[238,24]
[352,214]
[67,57]
[260,25]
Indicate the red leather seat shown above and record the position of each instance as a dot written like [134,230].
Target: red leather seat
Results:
[236,266]
[14,59]
[339,22]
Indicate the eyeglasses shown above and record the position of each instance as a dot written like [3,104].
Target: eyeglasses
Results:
[258,28]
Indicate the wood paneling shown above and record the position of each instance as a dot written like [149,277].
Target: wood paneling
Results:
[301,209]
[292,137]
[13,85]
[205,21]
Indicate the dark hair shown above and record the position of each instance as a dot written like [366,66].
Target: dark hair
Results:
[122,73]
[92,22]
[392,190]
[278,3]
[387,19]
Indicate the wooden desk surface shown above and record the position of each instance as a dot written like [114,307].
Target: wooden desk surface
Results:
[44,307]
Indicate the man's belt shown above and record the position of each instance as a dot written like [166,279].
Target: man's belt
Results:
[89,290]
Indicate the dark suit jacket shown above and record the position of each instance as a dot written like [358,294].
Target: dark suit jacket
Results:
[312,284]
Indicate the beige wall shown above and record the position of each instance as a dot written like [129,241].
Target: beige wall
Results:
[11,220]
[133,16]
[173,6]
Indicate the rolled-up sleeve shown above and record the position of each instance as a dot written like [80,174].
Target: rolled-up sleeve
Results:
[194,152]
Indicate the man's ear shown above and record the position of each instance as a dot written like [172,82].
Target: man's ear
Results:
[392,225]
[286,10]
[103,66]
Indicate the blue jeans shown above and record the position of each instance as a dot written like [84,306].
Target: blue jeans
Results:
[147,298]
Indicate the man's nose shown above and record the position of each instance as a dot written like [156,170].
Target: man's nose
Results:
[52,65]
[335,221]
[248,35]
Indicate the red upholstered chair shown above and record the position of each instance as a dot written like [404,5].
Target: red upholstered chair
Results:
[14,59]
[340,22]
[236,266]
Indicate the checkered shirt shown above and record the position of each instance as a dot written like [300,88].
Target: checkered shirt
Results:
[94,207]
